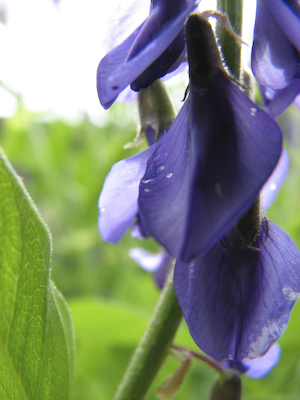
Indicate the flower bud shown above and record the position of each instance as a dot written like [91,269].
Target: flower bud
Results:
[227,386]
[155,111]
[203,52]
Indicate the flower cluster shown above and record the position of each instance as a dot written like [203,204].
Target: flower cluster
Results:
[196,188]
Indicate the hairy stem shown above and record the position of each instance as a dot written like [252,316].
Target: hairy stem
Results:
[153,348]
[230,48]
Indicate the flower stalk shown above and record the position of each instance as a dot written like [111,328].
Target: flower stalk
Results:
[154,346]
[230,48]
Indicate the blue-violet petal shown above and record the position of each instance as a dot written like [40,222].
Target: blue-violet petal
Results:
[237,301]
[275,61]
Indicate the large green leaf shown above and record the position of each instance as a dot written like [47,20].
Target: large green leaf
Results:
[36,339]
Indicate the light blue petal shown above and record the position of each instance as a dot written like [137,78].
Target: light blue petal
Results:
[118,200]
[259,367]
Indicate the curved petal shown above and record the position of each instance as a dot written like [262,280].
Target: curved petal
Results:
[288,18]
[207,171]
[283,98]
[164,189]
[167,61]
[274,58]
[118,200]
[121,74]
[161,274]
[159,264]
[109,64]
[137,230]
[234,155]
[237,301]
[297,101]
[148,261]
[259,367]
[124,17]
[271,187]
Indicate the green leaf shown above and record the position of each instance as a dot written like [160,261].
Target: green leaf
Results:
[36,339]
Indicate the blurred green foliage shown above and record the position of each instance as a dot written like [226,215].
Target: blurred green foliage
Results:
[63,167]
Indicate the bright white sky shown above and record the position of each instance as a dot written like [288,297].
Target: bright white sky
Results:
[49,53]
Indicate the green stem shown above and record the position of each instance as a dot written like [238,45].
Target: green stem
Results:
[230,49]
[153,348]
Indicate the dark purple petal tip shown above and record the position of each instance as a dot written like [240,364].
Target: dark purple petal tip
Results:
[160,33]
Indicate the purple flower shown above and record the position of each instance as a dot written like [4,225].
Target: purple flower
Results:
[277,101]
[236,300]
[190,190]
[208,169]
[187,206]
[118,201]
[297,101]
[271,187]
[258,367]
[159,264]
[200,178]
[276,52]
[155,48]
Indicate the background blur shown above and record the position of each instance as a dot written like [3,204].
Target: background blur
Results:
[63,152]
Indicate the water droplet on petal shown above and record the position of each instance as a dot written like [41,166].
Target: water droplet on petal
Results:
[161,167]
[145,181]
[253,111]
[169,175]
[147,190]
